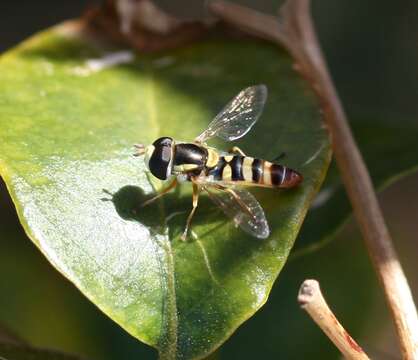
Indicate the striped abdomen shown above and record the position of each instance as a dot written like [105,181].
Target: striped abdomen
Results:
[249,171]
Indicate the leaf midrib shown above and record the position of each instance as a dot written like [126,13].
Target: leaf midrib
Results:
[169,325]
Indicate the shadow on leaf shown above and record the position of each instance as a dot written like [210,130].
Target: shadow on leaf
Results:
[168,212]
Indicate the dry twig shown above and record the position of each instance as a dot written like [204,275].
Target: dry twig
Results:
[311,299]
[143,25]
[294,30]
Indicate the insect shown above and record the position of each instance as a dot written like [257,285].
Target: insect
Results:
[223,175]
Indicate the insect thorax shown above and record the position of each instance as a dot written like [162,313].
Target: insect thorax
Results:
[189,158]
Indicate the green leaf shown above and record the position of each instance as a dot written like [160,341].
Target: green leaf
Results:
[67,131]
[22,352]
[389,149]
[47,311]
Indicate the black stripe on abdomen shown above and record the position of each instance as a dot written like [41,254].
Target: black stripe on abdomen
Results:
[218,170]
[236,168]
[276,172]
[257,169]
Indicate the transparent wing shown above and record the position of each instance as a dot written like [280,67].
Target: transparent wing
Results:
[238,116]
[242,207]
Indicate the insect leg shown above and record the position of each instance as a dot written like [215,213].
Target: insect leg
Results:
[237,198]
[280,157]
[171,186]
[196,191]
[236,149]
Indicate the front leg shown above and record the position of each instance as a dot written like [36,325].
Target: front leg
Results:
[170,186]
[196,191]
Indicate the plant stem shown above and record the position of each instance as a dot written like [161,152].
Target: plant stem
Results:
[295,31]
[312,301]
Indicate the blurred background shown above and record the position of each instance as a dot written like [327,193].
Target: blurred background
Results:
[372,51]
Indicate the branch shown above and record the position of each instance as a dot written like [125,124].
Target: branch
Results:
[294,31]
[143,25]
[311,299]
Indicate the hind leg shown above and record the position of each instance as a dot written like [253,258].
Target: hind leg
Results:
[237,150]
[280,157]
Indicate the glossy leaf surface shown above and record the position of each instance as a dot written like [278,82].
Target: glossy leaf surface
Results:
[69,118]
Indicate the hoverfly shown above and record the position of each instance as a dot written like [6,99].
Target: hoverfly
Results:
[222,174]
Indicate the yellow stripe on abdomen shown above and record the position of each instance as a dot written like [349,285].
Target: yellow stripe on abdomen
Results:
[227,173]
[247,170]
[267,173]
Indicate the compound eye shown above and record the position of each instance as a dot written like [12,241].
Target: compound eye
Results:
[160,160]
[163,141]
[148,153]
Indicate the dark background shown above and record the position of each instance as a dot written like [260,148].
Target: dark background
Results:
[371,46]
[372,51]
